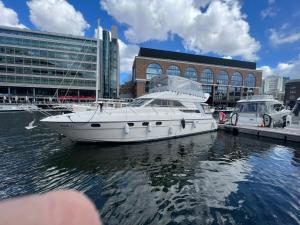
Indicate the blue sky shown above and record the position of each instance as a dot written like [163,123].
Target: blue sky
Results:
[265,31]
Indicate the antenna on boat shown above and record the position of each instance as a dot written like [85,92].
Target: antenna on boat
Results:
[98,63]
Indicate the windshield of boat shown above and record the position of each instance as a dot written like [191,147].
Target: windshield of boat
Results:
[139,102]
[258,107]
[165,103]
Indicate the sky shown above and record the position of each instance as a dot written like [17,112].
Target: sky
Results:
[264,31]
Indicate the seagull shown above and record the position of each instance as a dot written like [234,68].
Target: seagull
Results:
[30,125]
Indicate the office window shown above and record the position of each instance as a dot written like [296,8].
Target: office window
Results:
[250,80]
[153,70]
[236,79]
[222,78]
[207,77]
[191,73]
[173,70]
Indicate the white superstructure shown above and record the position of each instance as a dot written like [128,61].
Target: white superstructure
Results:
[259,110]
[175,107]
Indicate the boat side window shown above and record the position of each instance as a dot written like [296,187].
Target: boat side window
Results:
[158,123]
[138,102]
[95,125]
[145,123]
[190,110]
[278,107]
[206,109]
[165,103]
[262,108]
[130,124]
[248,107]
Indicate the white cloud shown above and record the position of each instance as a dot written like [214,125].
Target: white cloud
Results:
[127,54]
[289,69]
[8,17]
[57,16]
[282,37]
[204,25]
[268,12]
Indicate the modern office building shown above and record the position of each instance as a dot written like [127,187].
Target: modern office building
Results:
[275,85]
[292,92]
[48,66]
[226,80]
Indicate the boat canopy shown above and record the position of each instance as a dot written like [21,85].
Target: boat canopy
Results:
[176,84]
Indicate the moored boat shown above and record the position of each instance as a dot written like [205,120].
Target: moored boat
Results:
[174,107]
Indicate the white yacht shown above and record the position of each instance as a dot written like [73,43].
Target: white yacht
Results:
[259,110]
[174,107]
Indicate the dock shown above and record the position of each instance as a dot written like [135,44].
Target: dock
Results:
[286,134]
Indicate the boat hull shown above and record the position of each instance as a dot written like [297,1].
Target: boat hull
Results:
[121,132]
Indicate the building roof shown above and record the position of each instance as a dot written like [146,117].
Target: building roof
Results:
[162,54]
[293,81]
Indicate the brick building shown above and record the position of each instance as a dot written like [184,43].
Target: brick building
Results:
[226,80]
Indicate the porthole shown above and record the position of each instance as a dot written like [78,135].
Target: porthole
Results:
[145,123]
[158,123]
[130,124]
[95,125]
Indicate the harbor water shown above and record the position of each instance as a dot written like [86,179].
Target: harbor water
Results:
[213,178]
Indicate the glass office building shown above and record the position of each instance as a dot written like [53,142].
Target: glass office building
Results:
[41,65]
[110,64]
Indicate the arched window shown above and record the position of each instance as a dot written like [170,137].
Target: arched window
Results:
[221,89]
[191,73]
[173,70]
[236,79]
[235,90]
[207,77]
[250,80]
[222,78]
[153,70]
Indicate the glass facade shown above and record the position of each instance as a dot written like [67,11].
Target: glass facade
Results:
[222,86]
[207,78]
[110,66]
[35,59]
[173,70]
[191,73]
[236,86]
[153,70]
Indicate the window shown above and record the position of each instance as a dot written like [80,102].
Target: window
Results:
[95,125]
[130,124]
[250,80]
[236,79]
[222,78]
[191,73]
[190,111]
[153,70]
[145,123]
[173,70]
[164,103]
[138,102]
[207,77]
[158,123]
[236,82]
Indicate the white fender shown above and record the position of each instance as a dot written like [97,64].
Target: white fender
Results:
[126,128]
[149,127]
[288,120]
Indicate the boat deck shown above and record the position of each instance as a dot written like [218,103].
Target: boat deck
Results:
[286,134]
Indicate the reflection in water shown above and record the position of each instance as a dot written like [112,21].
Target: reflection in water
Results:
[212,178]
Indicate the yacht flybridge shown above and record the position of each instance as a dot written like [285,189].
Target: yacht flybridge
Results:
[174,107]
